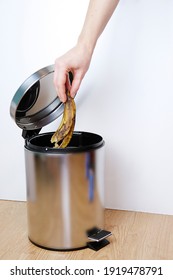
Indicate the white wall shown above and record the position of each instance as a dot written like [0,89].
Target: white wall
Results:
[127,95]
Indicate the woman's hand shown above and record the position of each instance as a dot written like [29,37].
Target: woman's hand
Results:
[76,60]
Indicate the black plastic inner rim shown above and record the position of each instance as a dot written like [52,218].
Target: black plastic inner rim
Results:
[81,141]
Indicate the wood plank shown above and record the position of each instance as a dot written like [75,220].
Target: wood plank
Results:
[135,236]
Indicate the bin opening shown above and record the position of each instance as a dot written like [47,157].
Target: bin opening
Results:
[81,141]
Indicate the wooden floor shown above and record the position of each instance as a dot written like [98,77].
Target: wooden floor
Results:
[136,236]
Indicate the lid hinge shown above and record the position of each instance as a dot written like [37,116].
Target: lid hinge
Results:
[26,134]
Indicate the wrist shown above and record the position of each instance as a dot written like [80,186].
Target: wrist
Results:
[86,44]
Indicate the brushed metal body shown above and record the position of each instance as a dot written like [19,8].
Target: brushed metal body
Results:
[65,196]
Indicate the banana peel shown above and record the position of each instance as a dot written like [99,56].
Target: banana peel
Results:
[63,134]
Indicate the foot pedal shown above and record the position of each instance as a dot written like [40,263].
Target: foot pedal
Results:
[99,235]
[97,238]
[98,245]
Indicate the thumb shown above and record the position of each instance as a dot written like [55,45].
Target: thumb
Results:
[77,79]
[68,83]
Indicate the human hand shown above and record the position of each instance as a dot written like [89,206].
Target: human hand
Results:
[77,61]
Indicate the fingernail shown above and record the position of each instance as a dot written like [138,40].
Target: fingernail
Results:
[63,100]
[72,94]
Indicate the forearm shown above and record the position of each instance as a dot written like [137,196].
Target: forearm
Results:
[77,60]
[98,15]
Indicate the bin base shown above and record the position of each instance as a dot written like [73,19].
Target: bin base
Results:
[58,249]
[96,246]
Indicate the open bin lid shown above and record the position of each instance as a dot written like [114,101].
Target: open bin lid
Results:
[35,103]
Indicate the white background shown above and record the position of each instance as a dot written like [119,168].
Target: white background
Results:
[126,96]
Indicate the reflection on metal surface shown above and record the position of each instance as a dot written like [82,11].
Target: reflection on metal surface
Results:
[66,203]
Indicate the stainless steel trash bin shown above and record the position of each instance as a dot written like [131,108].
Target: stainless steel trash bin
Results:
[65,187]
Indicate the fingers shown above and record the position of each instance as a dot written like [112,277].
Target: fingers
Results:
[62,83]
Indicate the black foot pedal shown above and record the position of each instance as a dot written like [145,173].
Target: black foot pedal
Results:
[98,245]
[97,238]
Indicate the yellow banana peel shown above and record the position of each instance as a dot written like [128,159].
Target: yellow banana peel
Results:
[63,134]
